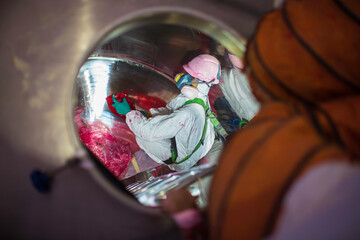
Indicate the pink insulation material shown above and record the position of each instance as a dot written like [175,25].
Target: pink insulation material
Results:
[113,143]
[113,152]
[121,131]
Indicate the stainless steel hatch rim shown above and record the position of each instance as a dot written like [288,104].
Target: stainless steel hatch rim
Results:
[176,15]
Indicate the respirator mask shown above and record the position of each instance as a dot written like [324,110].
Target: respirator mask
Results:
[188,84]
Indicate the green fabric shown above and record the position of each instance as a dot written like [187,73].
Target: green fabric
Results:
[243,123]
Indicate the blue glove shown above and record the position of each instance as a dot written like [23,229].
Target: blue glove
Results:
[123,107]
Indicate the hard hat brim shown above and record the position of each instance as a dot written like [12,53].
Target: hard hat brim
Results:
[195,75]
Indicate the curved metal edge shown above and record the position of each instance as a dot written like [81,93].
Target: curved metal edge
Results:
[189,9]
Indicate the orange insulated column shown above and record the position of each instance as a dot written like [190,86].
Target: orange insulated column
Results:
[303,65]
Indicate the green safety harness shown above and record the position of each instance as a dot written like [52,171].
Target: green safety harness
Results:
[208,115]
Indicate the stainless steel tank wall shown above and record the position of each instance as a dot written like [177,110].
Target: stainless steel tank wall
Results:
[43,45]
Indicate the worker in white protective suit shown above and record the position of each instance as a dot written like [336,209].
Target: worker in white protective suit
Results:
[236,90]
[180,124]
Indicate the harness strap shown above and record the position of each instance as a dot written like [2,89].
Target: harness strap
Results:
[174,153]
[208,115]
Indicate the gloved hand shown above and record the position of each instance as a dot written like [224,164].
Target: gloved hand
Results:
[123,107]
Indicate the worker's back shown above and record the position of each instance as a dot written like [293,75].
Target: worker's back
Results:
[185,123]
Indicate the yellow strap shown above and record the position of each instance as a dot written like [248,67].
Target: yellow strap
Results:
[136,166]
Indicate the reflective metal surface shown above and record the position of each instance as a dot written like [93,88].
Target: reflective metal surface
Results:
[153,190]
[100,77]
[44,44]
[143,62]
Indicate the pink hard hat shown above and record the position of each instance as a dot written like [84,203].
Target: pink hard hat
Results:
[236,61]
[204,67]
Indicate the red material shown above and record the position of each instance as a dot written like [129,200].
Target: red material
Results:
[119,97]
[213,94]
[143,101]
[113,153]
[146,102]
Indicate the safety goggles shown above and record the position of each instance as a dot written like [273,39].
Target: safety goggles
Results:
[183,79]
[186,79]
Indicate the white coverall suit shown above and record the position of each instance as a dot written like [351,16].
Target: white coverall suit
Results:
[185,123]
[236,90]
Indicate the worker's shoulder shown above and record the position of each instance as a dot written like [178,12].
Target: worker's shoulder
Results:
[198,105]
[192,111]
